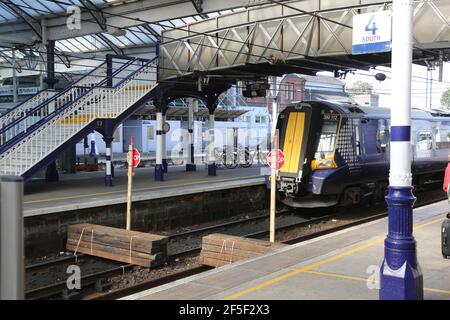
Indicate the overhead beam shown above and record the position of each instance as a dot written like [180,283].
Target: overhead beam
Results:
[28,20]
[138,13]
[115,48]
[198,5]
[72,58]
[95,12]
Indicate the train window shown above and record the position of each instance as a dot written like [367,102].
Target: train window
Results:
[357,141]
[382,136]
[327,140]
[424,140]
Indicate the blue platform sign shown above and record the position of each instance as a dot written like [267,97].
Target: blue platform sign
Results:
[372,32]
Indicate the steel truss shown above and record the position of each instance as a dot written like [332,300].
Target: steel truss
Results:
[281,33]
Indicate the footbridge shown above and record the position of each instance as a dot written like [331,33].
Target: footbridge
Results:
[292,36]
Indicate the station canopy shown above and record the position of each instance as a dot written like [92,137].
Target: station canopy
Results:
[31,12]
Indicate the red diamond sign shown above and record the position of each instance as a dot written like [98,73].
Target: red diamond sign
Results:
[280,159]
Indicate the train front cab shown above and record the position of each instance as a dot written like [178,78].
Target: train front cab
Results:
[308,136]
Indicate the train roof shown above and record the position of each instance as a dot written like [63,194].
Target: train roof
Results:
[378,112]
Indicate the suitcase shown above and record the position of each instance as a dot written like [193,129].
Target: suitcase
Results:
[446,237]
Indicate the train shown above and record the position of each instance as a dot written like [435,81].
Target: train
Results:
[337,153]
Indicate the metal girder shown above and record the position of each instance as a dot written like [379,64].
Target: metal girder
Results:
[278,34]
[28,20]
[198,5]
[115,48]
[64,59]
[96,13]
[136,13]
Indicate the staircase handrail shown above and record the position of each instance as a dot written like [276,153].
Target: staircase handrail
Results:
[56,112]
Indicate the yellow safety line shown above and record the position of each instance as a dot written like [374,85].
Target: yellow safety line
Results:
[317,264]
[335,275]
[344,276]
[437,290]
[139,189]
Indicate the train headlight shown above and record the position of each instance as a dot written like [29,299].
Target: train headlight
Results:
[323,164]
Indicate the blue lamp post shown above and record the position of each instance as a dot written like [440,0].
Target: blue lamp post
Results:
[400,274]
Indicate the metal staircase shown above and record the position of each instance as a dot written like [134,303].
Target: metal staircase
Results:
[36,132]
[13,122]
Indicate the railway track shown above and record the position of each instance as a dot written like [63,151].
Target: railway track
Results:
[288,233]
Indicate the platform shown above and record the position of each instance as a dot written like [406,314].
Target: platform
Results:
[86,189]
[340,265]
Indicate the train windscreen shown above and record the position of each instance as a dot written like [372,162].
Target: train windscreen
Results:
[328,135]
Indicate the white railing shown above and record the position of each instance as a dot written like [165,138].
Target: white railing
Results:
[100,102]
[29,104]
[24,122]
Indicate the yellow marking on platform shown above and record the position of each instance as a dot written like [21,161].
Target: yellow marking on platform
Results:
[335,275]
[437,290]
[319,263]
[138,189]
[348,277]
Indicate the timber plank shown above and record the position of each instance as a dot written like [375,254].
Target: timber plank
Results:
[221,249]
[137,245]
[114,250]
[116,257]
[122,245]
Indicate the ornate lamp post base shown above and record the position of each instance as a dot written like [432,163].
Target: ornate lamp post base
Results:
[400,275]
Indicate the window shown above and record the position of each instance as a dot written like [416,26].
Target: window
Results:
[150,133]
[327,140]
[424,140]
[373,136]
[443,142]
[382,136]
[357,141]
[289,91]
[260,119]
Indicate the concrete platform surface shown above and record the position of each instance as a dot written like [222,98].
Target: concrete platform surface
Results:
[342,265]
[87,190]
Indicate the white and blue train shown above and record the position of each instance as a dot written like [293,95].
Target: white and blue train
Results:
[338,153]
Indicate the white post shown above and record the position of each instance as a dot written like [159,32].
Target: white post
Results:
[273,172]
[164,153]
[400,170]
[130,181]
[211,142]
[159,171]
[400,274]
[15,82]
[190,165]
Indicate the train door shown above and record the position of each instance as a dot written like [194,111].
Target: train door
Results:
[299,133]
[374,148]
